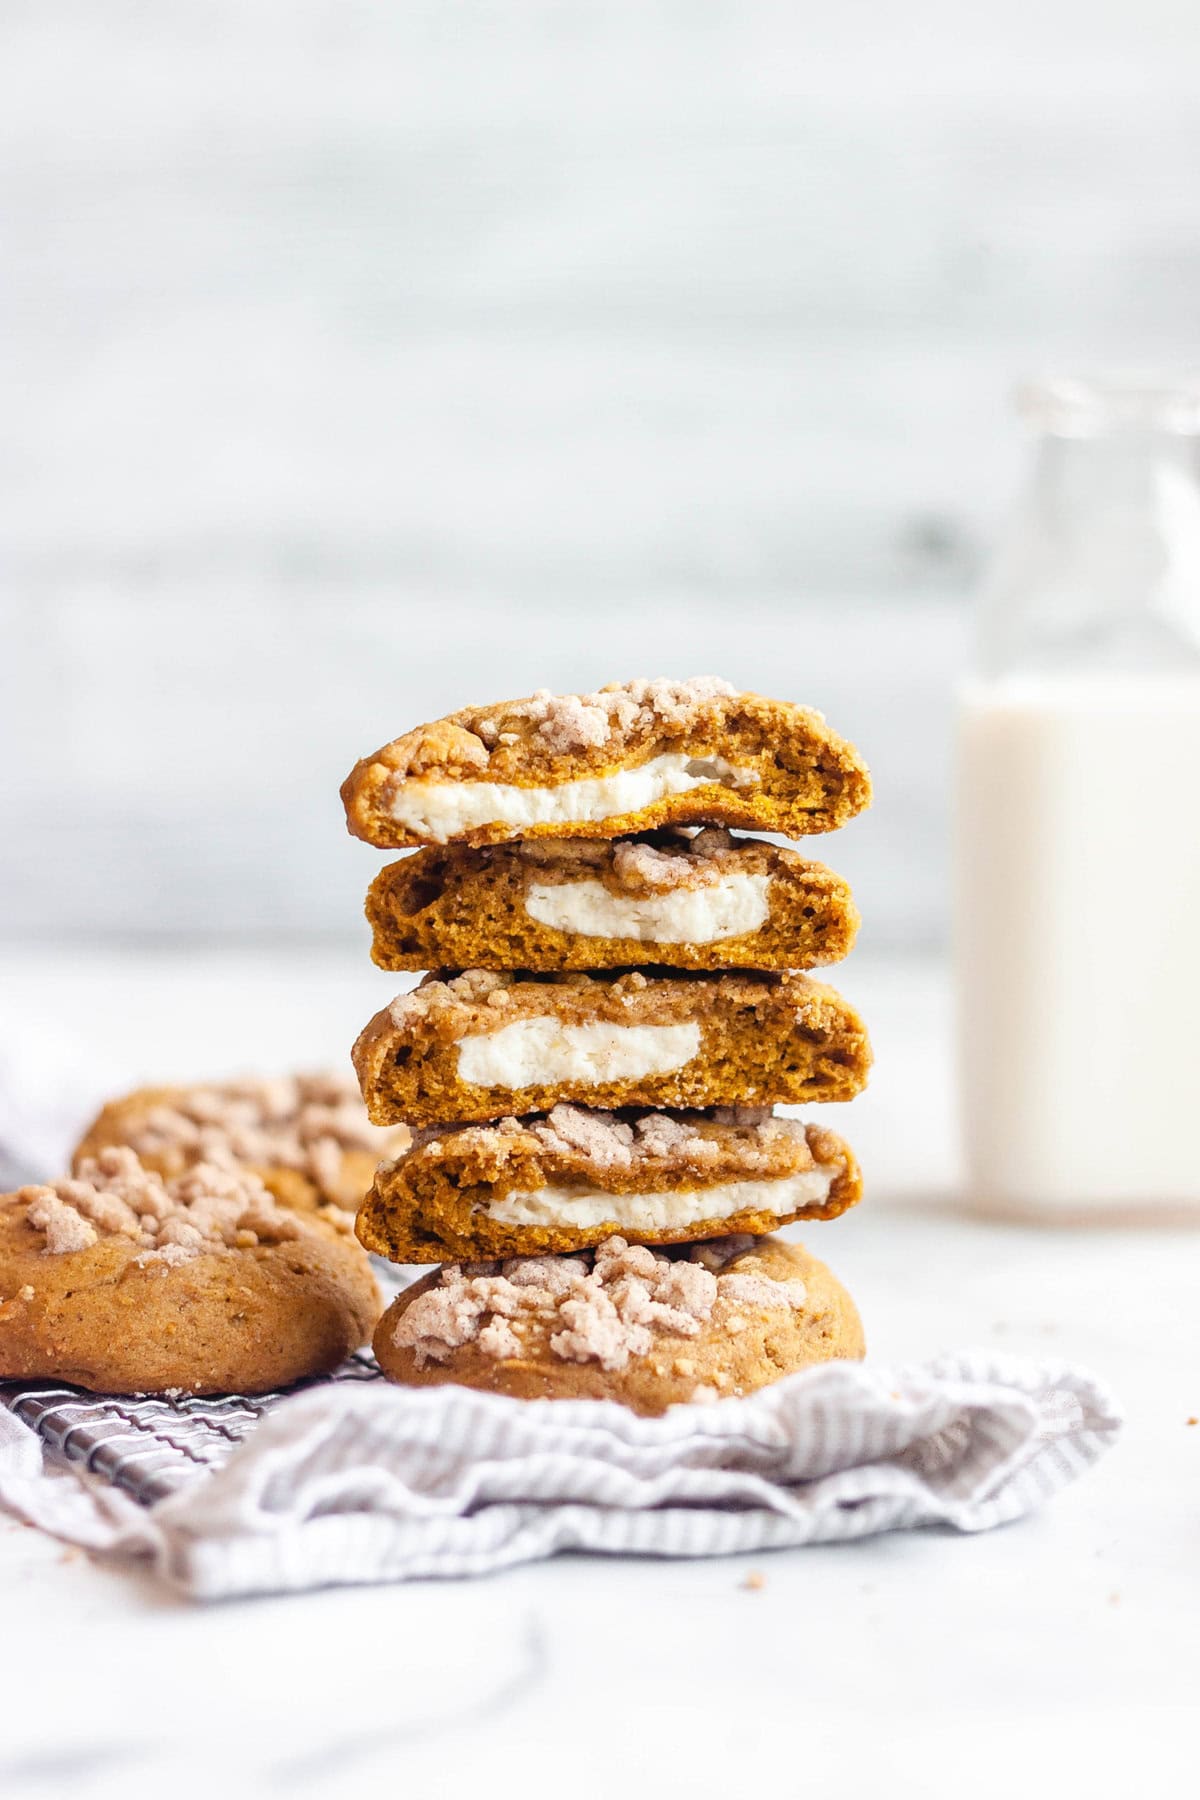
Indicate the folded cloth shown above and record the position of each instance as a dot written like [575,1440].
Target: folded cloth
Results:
[352,1481]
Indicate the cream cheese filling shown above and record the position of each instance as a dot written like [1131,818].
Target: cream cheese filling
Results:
[440,810]
[540,1052]
[574,1208]
[725,908]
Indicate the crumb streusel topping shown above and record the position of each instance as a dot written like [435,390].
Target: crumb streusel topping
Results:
[204,1209]
[609,1141]
[451,1004]
[568,722]
[606,1306]
[303,1122]
[650,864]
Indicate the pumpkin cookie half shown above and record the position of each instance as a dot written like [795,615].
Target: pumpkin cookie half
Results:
[570,1179]
[483,1045]
[307,1137]
[622,1323]
[708,901]
[121,1282]
[630,757]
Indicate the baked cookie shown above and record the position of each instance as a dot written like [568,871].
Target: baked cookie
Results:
[483,1045]
[633,756]
[121,1282]
[307,1137]
[621,1323]
[568,1180]
[708,901]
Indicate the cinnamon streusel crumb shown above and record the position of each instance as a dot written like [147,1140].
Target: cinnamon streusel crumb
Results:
[307,1136]
[621,1323]
[115,1196]
[605,1307]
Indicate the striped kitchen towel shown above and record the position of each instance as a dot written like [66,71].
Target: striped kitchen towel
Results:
[355,1481]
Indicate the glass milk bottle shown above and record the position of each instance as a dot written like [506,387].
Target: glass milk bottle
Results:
[1077,855]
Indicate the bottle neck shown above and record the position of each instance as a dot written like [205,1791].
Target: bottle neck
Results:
[1101,567]
[1082,482]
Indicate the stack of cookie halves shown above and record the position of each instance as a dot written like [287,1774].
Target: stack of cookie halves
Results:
[614,1011]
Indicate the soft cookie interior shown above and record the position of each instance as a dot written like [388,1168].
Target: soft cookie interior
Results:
[483,1045]
[709,900]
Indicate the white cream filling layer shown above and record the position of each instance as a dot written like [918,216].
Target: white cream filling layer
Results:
[581,1207]
[441,809]
[540,1052]
[723,909]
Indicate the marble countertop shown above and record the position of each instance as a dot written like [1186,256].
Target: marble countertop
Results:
[1057,1653]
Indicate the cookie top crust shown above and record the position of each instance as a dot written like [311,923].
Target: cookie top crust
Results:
[114,1195]
[565,724]
[606,1306]
[539,767]
[314,1124]
[447,1007]
[638,1146]
[528,739]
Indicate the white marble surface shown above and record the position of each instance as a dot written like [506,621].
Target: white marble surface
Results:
[1054,1656]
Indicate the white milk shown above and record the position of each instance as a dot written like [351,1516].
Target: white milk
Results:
[1078,942]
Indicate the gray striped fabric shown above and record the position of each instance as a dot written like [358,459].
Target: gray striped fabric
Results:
[151,1447]
[355,1481]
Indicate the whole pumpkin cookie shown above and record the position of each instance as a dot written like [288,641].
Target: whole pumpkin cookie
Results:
[567,1180]
[622,1323]
[307,1137]
[482,1045]
[707,901]
[121,1282]
[633,756]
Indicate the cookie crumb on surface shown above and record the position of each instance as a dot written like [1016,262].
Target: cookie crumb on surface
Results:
[755,1581]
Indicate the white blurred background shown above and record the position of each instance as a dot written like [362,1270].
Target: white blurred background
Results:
[361,361]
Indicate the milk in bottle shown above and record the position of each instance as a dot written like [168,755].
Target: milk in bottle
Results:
[1077,907]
